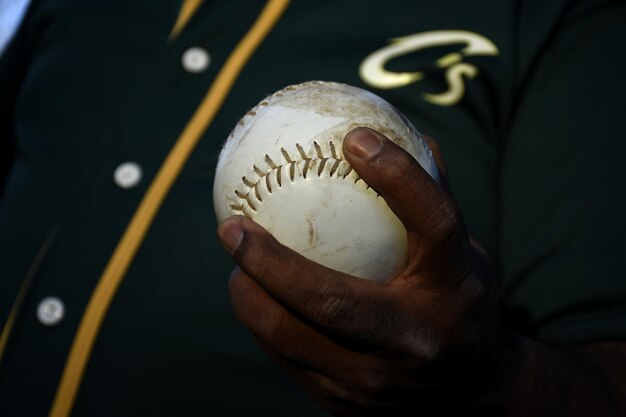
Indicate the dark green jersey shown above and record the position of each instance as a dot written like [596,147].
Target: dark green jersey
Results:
[112,115]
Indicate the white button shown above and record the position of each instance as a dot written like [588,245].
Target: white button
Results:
[127,175]
[196,59]
[50,311]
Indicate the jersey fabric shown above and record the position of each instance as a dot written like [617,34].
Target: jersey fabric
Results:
[525,99]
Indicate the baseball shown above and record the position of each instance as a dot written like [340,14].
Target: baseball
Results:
[283,167]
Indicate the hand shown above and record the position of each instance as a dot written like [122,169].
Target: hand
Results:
[428,339]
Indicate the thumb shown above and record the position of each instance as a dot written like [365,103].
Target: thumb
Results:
[423,206]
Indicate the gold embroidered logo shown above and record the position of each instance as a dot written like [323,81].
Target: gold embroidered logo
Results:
[373,71]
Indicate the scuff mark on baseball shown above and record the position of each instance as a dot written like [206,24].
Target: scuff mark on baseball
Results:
[283,167]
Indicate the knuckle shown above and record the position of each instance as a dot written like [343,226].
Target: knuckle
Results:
[424,344]
[401,165]
[333,307]
[445,224]
[394,164]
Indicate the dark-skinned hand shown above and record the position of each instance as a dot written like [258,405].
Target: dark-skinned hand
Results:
[356,345]
[428,342]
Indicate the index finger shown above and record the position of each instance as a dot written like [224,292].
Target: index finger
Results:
[330,299]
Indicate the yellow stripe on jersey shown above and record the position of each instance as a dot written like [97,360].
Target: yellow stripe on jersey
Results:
[187,10]
[140,223]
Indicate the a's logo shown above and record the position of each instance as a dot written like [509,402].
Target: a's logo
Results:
[373,71]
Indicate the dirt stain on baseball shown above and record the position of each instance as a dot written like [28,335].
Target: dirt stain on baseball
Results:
[312,235]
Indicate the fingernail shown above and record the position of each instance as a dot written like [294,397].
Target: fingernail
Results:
[230,233]
[363,143]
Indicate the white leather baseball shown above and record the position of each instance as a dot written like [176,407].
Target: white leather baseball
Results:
[284,168]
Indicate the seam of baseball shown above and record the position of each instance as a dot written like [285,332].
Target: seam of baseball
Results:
[249,195]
